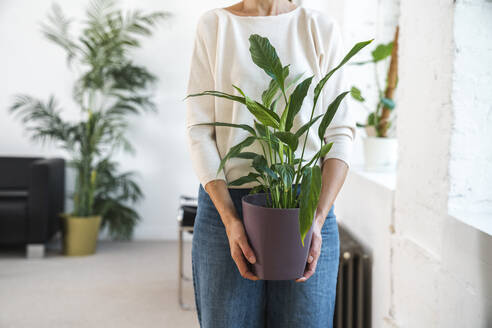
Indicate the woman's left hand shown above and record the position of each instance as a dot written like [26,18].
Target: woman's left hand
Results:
[314,252]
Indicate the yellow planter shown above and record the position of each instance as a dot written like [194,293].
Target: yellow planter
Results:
[80,235]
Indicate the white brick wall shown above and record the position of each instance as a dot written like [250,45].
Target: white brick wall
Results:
[437,269]
[441,266]
[471,147]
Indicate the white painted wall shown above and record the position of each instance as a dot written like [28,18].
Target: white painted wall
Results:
[30,64]
[365,208]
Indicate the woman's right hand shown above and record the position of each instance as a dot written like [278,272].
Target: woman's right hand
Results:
[240,249]
[238,242]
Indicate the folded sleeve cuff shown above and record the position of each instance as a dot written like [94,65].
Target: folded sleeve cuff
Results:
[341,149]
[206,177]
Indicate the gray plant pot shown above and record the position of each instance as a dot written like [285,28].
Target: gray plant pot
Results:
[274,235]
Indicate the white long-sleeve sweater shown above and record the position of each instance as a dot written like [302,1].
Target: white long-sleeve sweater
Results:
[307,39]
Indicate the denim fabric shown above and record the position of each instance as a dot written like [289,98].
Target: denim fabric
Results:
[224,299]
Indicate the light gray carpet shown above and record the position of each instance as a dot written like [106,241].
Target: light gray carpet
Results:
[126,284]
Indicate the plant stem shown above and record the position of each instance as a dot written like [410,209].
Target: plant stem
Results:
[304,147]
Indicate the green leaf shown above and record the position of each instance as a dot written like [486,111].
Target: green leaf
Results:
[355,49]
[297,161]
[289,85]
[260,164]
[265,56]
[251,177]
[235,150]
[261,129]
[325,149]
[238,126]
[283,118]
[371,119]
[286,173]
[256,189]
[246,155]
[294,80]
[296,100]
[262,114]
[306,126]
[330,113]
[239,90]
[381,52]
[388,125]
[218,94]
[309,196]
[362,62]
[273,106]
[288,138]
[285,71]
[269,94]
[356,94]
[388,103]
[272,140]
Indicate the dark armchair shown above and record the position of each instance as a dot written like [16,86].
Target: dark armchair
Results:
[32,195]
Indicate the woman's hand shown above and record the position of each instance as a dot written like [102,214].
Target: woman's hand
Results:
[314,252]
[240,249]
[238,242]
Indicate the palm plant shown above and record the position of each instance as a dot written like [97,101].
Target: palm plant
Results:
[277,170]
[379,119]
[109,88]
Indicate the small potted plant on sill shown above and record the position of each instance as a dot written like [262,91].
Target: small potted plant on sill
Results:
[279,212]
[110,88]
[380,145]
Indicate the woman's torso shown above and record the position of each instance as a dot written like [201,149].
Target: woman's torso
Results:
[297,38]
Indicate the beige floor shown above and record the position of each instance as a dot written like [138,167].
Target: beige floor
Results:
[126,284]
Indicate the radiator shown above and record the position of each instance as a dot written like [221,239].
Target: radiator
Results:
[353,301]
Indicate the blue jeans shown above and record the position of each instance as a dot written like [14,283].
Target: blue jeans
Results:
[224,299]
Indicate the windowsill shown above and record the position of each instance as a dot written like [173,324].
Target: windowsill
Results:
[386,179]
[481,221]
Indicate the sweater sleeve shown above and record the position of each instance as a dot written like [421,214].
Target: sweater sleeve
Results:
[342,129]
[202,144]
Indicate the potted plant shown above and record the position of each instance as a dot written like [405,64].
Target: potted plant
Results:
[380,145]
[111,86]
[279,211]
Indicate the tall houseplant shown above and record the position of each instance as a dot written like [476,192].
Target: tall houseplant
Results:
[278,172]
[380,147]
[109,88]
